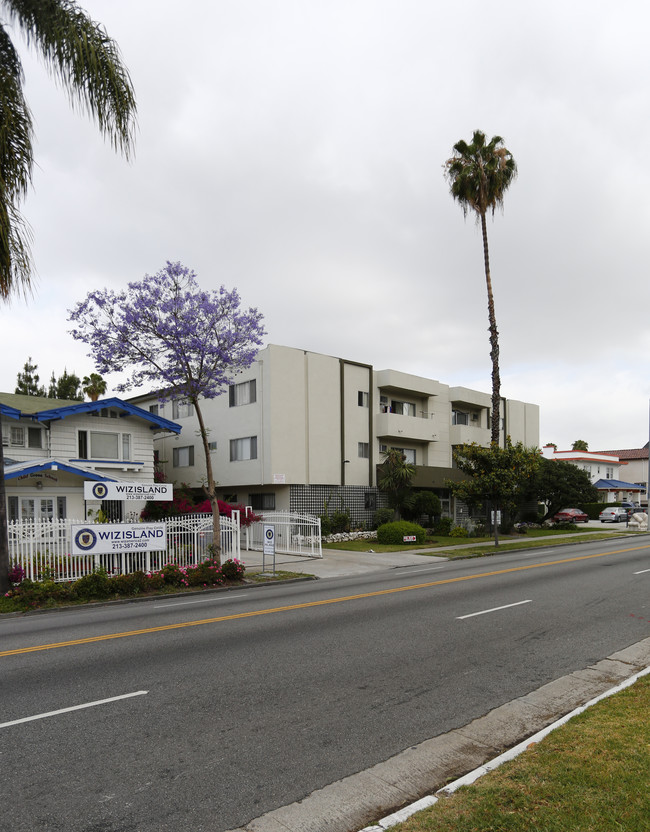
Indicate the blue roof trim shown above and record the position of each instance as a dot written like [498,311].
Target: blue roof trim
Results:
[618,485]
[100,404]
[5,410]
[47,466]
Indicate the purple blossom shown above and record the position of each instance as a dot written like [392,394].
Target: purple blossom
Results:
[165,330]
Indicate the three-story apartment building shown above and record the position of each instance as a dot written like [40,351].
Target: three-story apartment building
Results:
[300,430]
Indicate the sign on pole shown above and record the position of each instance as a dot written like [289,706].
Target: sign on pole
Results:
[128,490]
[105,538]
[269,544]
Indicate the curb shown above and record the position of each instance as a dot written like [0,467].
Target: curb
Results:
[469,778]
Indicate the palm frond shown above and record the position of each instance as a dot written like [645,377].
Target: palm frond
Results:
[16,164]
[84,60]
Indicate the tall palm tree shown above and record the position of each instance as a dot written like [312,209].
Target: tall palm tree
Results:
[479,174]
[80,55]
[93,386]
[82,58]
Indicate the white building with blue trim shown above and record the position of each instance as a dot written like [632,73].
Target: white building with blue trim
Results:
[52,447]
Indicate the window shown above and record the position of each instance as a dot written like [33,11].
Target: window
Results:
[370,501]
[244,393]
[17,436]
[363,450]
[181,409]
[212,446]
[34,437]
[407,453]
[153,408]
[262,502]
[458,417]
[245,448]
[183,457]
[609,474]
[403,408]
[363,399]
[95,444]
[104,445]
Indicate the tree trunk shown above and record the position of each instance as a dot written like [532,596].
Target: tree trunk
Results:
[210,488]
[494,341]
[4,540]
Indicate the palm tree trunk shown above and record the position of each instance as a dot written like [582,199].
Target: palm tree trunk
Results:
[494,341]
[210,488]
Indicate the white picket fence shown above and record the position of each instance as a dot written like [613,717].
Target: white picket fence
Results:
[295,534]
[45,548]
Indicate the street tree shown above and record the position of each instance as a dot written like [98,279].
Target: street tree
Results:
[87,63]
[501,477]
[560,484]
[93,386]
[580,445]
[66,387]
[27,382]
[166,331]
[394,478]
[479,174]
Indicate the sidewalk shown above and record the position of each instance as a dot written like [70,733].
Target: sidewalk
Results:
[337,563]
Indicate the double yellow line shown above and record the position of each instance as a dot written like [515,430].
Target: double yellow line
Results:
[92,639]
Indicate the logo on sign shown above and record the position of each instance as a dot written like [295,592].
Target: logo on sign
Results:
[409,538]
[99,490]
[269,534]
[85,539]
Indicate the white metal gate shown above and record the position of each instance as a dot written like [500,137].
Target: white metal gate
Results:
[44,548]
[295,534]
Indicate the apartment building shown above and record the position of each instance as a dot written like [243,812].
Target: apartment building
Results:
[299,430]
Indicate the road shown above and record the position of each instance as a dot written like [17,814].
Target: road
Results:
[240,702]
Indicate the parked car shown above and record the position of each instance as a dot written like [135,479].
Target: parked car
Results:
[571,515]
[613,515]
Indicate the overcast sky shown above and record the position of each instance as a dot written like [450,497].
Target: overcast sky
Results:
[295,149]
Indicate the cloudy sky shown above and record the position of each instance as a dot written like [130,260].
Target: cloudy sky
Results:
[294,149]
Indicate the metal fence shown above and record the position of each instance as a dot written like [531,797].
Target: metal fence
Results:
[44,548]
[295,534]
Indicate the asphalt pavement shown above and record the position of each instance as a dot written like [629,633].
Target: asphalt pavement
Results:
[362,800]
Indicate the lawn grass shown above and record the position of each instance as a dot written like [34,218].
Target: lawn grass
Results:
[475,546]
[590,775]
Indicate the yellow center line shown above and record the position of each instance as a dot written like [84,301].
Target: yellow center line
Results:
[308,604]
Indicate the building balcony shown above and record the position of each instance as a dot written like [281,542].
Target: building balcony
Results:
[466,434]
[396,427]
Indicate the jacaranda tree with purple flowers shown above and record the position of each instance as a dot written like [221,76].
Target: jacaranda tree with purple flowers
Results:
[165,330]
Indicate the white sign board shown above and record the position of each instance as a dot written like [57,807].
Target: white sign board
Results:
[269,539]
[128,490]
[104,538]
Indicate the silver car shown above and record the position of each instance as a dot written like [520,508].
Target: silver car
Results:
[613,515]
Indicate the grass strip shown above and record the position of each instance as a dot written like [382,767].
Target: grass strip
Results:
[590,775]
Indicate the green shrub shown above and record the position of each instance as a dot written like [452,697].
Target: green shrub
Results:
[172,574]
[381,516]
[233,570]
[95,585]
[132,584]
[325,525]
[443,526]
[567,527]
[479,531]
[394,533]
[459,531]
[592,509]
[155,580]
[340,522]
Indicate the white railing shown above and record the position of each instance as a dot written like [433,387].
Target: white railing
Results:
[43,548]
[295,534]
